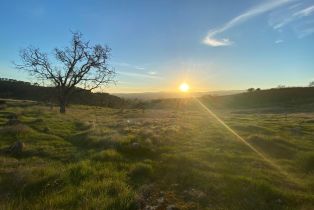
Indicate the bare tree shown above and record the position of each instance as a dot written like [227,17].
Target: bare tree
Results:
[79,65]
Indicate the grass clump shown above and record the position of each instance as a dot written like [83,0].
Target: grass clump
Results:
[107,194]
[80,171]
[306,161]
[141,171]
[107,155]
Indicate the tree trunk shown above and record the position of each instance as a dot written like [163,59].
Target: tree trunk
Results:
[62,105]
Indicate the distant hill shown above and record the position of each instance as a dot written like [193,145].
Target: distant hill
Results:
[285,98]
[165,95]
[298,98]
[295,99]
[14,89]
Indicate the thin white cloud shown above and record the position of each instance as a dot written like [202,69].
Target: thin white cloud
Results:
[297,17]
[152,73]
[305,12]
[278,41]
[139,67]
[295,6]
[304,31]
[211,39]
[288,17]
[282,23]
[132,74]
[123,64]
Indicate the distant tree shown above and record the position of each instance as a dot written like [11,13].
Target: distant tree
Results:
[250,90]
[79,65]
[311,84]
[281,86]
[258,89]
[141,105]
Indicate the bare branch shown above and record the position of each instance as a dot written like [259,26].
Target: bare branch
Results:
[78,64]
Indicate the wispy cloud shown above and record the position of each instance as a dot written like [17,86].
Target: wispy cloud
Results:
[305,12]
[152,72]
[123,64]
[295,6]
[297,17]
[278,41]
[306,32]
[211,38]
[304,28]
[133,74]
[287,17]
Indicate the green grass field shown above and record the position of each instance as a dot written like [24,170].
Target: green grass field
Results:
[100,158]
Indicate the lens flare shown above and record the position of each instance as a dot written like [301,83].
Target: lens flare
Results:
[266,159]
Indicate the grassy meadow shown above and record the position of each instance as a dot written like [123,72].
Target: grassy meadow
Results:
[169,158]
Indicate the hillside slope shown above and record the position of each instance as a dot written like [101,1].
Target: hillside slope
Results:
[301,98]
[14,89]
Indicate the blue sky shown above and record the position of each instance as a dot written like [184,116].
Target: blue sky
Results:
[212,45]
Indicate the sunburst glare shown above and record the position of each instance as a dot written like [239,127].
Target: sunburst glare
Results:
[184,87]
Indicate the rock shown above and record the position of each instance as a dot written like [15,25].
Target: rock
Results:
[135,145]
[148,141]
[161,200]
[172,207]
[151,207]
[16,148]
[195,194]
[279,201]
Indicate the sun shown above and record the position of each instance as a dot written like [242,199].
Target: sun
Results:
[184,87]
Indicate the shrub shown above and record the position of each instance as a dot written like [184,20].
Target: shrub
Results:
[2,104]
[83,126]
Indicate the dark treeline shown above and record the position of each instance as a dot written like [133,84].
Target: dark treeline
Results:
[14,89]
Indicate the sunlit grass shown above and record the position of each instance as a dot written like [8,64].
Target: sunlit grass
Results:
[99,158]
